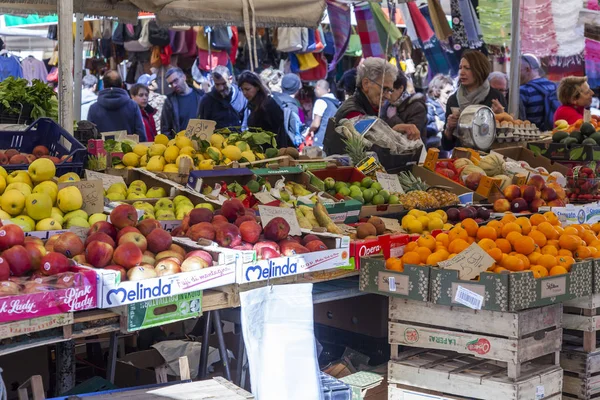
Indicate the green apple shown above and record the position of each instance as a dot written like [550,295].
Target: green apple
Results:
[135,196]
[185,208]
[47,224]
[117,188]
[48,187]
[140,184]
[205,205]
[4,215]
[164,215]
[156,192]
[78,221]
[24,220]
[179,198]
[20,186]
[142,205]
[115,196]
[97,217]
[148,215]
[75,214]
[56,210]
[136,189]
[164,204]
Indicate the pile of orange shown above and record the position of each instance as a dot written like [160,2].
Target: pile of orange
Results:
[538,244]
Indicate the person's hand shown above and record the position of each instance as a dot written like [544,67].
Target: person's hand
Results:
[411,131]
[451,125]
[497,108]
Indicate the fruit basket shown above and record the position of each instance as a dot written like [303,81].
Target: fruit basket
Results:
[66,152]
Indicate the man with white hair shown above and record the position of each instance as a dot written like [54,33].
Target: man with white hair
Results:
[89,84]
[325,108]
[538,98]
[499,81]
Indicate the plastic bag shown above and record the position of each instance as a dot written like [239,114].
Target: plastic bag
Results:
[277,323]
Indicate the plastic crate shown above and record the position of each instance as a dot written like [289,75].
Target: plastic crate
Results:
[334,389]
[46,132]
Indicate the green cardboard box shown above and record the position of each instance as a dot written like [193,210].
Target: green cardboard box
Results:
[596,288]
[412,284]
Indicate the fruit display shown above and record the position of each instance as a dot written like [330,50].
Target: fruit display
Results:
[419,195]
[166,209]
[530,197]
[136,190]
[469,173]
[368,191]
[458,214]
[538,244]
[14,157]
[582,183]
[422,222]
[586,133]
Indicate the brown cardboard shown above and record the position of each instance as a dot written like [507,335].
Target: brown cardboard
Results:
[524,154]
[433,179]
[92,193]
[137,369]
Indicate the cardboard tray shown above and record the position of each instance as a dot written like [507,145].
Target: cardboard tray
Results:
[533,159]
[433,179]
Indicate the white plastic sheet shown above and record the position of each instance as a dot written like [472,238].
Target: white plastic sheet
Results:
[277,323]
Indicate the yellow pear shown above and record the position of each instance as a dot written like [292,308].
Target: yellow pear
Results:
[48,224]
[157,150]
[27,220]
[97,217]
[69,177]
[69,199]
[19,176]
[20,186]
[41,170]
[38,206]
[13,202]
[140,149]
[78,221]
[139,183]
[161,139]
[155,163]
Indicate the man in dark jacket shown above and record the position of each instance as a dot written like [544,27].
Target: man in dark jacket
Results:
[115,110]
[225,103]
[182,104]
[405,112]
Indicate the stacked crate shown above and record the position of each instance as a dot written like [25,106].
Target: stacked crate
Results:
[476,354]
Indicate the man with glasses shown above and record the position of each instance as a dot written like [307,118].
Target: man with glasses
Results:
[538,96]
[182,104]
[225,103]
[499,81]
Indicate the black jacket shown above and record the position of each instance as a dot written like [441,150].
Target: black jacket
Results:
[449,144]
[227,111]
[269,117]
[412,110]
[169,122]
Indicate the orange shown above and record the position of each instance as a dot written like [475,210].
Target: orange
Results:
[500,270]
[559,229]
[487,244]
[470,240]
[513,263]
[565,252]
[547,261]
[509,217]
[596,228]
[536,274]
[595,243]
[550,250]
[452,255]
[534,257]
[540,270]
[552,242]
[558,270]
[513,237]
[411,246]
[423,252]
[525,225]
[565,261]
[443,239]
[496,254]
[588,237]
[548,230]
[552,218]
[394,264]
[537,219]
[526,262]
[579,228]
[583,252]
[510,227]
[569,242]
[487,232]
[457,232]
[457,245]
[471,226]
[427,241]
[412,257]
[570,230]
[497,225]
[436,257]
[525,245]
[538,237]
[504,245]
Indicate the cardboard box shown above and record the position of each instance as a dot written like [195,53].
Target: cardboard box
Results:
[433,179]
[533,159]
[212,177]
[367,385]
[412,283]
[561,152]
[148,314]
[390,245]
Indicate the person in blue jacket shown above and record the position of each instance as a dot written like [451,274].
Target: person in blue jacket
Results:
[115,110]
[439,90]
[225,103]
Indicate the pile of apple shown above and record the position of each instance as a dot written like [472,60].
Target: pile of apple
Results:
[235,226]
[15,157]
[530,197]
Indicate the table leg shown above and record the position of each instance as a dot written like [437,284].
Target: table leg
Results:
[240,356]
[113,346]
[204,350]
[65,366]
[222,347]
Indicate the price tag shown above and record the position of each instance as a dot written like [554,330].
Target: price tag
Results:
[107,180]
[539,392]
[469,263]
[264,197]
[202,128]
[267,213]
[391,224]
[468,298]
[587,115]
[92,193]
[80,231]
[389,182]
[431,159]
[392,283]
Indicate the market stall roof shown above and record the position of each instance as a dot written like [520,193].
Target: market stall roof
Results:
[198,12]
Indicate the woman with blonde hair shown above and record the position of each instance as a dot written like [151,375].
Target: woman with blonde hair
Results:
[575,95]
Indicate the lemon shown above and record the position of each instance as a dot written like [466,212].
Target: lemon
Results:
[206,164]
[119,166]
[181,133]
[171,154]
[155,163]
[161,139]
[157,150]
[260,156]
[143,160]
[216,140]
[424,222]
[171,168]
[433,215]
[181,157]
[232,152]
[171,142]
[415,227]
[131,160]
[213,153]
[248,155]
[183,141]
[69,199]
[406,220]
[443,214]
[199,157]
[243,146]
[140,149]
[435,223]
[189,150]
[416,213]
[227,161]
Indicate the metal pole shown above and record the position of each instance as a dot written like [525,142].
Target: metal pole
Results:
[515,59]
[65,64]
[65,366]
[78,74]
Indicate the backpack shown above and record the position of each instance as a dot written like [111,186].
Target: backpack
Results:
[291,121]
[551,104]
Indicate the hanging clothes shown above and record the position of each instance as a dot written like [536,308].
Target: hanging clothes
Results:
[439,23]
[569,32]
[538,36]
[367,30]
[466,32]
[340,20]
[34,69]
[592,54]
[385,28]
[10,66]
[440,55]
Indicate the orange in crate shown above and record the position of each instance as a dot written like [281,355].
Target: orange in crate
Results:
[394,264]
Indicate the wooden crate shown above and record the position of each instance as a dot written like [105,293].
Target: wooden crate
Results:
[472,377]
[582,319]
[582,373]
[512,338]
[403,392]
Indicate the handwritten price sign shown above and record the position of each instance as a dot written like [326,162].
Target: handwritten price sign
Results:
[201,128]
[389,182]
[469,263]
[92,193]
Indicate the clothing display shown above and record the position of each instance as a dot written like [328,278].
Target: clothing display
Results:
[367,30]
[10,66]
[465,25]
[34,69]
[538,36]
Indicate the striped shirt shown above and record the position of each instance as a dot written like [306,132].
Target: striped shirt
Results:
[532,102]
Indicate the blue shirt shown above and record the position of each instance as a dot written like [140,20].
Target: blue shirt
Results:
[188,108]
[10,66]
[532,102]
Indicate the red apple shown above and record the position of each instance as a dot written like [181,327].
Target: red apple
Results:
[148,258]
[124,215]
[69,244]
[316,245]
[148,225]
[50,242]
[11,235]
[219,218]
[36,253]
[67,280]
[244,218]
[203,255]
[168,266]
[501,205]
[128,255]
[104,227]
[177,248]
[18,259]
[80,259]
[54,263]
[309,238]
[125,231]
[159,240]
[141,272]
[277,229]
[169,253]
[119,269]
[99,253]
[537,181]
[4,269]
[198,215]
[136,238]
[100,236]
[203,230]
[512,192]
[193,264]
[232,209]
[33,239]
[228,235]
[250,231]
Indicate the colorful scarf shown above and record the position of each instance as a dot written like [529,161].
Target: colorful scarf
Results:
[385,29]
[438,20]
[466,32]
[410,27]
[424,31]
[569,33]
[538,36]
[367,30]
[592,54]
[439,54]
[339,19]
[495,18]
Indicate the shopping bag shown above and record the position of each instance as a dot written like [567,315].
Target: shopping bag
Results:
[289,39]
[354,48]
[278,328]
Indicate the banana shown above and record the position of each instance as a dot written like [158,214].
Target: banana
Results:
[302,220]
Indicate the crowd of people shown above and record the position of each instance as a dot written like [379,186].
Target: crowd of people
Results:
[279,103]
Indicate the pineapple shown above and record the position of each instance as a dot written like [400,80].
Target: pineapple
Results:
[420,195]
[355,148]
[444,196]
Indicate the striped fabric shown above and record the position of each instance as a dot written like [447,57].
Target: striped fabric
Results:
[532,101]
[367,30]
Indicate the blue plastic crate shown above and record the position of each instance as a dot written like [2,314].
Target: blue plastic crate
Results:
[334,389]
[46,132]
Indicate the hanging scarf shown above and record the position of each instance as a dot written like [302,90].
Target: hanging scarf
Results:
[385,28]
[438,20]
[439,54]
[470,22]
[410,27]
[339,18]
[569,33]
[592,54]
[495,20]
[367,30]
[477,96]
[424,31]
[538,36]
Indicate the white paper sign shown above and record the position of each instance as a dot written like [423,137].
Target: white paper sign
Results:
[201,128]
[264,197]
[468,298]
[539,392]
[392,283]
[470,262]
[391,224]
[267,213]
[389,182]
[107,180]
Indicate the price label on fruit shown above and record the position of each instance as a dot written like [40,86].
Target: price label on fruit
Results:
[202,128]
[107,180]
[389,182]
[267,213]
[469,263]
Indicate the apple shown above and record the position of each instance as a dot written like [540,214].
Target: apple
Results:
[50,242]
[233,209]
[244,246]
[136,238]
[250,231]
[124,215]
[198,215]
[105,227]
[277,229]
[125,231]
[159,240]
[67,279]
[316,245]
[128,255]
[120,269]
[33,239]
[203,255]
[169,253]
[35,287]
[18,260]
[80,259]
[536,181]
[244,218]
[167,266]
[309,238]
[54,263]
[69,244]
[99,253]
[203,230]
[219,219]
[148,258]
[8,288]
[141,272]
[36,253]
[501,205]
[228,235]
[11,235]
[193,264]
[101,237]
[4,269]
[148,225]
[177,248]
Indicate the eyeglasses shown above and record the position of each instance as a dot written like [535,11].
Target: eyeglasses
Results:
[385,89]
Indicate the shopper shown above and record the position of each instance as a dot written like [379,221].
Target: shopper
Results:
[89,84]
[474,89]
[405,112]
[348,82]
[156,100]
[290,86]
[265,113]
[114,110]
[575,96]
[182,104]
[324,109]
[374,83]
[499,81]
[140,94]
[225,103]
[438,92]
[538,96]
